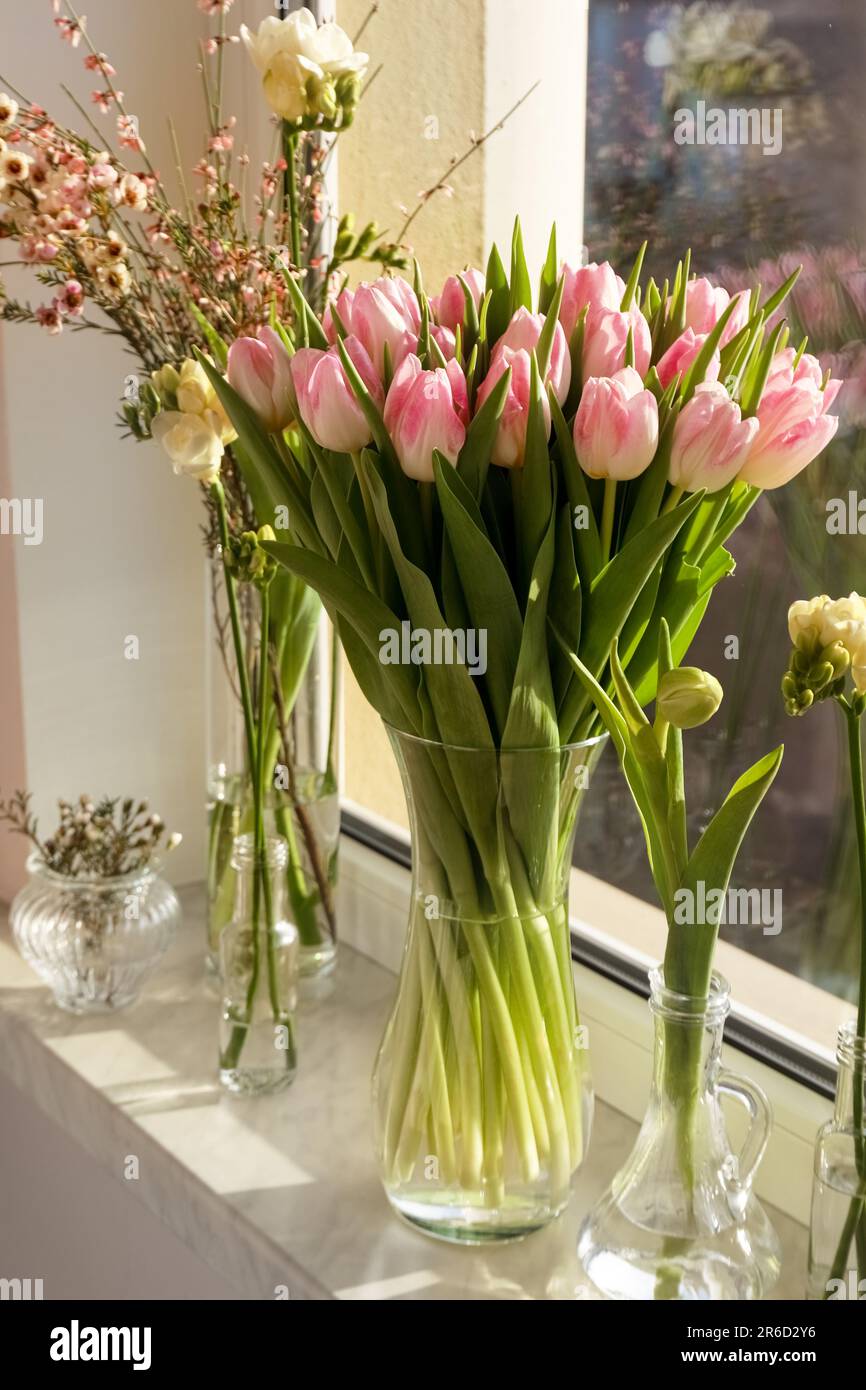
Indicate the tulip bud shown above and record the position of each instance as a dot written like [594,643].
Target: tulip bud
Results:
[425,410]
[509,446]
[793,422]
[616,428]
[710,441]
[687,697]
[259,369]
[605,341]
[327,403]
[523,333]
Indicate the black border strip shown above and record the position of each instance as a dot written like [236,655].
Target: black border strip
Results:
[747,1037]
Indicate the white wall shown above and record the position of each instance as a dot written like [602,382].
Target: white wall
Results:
[534,167]
[121,552]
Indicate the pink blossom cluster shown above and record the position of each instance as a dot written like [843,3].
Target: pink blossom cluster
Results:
[375,335]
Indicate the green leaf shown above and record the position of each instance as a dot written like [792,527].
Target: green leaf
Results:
[217,344]
[498,309]
[633,279]
[521,288]
[314,332]
[265,474]
[531,783]
[616,589]
[565,602]
[364,612]
[587,542]
[689,955]
[549,274]
[544,346]
[532,487]
[772,304]
[486,587]
[474,457]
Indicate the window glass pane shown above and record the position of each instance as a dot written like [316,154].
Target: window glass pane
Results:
[751,209]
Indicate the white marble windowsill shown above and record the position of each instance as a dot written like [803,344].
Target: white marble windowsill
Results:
[279,1191]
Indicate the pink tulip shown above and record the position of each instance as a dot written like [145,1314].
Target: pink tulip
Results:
[605,339]
[343,306]
[793,422]
[444,340]
[449,307]
[385,314]
[594,286]
[326,401]
[705,304]
[509,446]
[711,441]
[616,429]
[680,356]
[426,410]
[522,335]
[259,369]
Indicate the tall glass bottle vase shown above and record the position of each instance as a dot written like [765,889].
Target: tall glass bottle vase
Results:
[481,1089]
[680,1219]
[302,758]
[837,1238]
[259,970]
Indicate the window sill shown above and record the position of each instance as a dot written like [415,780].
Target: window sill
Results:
[281,1194]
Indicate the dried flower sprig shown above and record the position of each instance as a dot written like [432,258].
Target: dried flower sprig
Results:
[103,839]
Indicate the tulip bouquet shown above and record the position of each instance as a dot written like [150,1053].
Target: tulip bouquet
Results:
[829,647]
[554,474]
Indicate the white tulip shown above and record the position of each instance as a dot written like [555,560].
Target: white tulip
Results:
[805,617]
[191,442]
[843,620]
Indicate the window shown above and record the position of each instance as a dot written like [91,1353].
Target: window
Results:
[748,210]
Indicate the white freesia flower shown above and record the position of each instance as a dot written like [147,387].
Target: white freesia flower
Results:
[805,617]
[191,441]
[843,620]
[858,662]
[194,392]
[296,58]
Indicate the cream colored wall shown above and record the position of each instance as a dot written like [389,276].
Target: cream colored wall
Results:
[386,159]
[462,64]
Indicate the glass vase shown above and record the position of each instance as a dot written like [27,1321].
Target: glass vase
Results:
[302,759]
[482,1098]
[259,958]
[837,1237]
[680,1219]
[94,941]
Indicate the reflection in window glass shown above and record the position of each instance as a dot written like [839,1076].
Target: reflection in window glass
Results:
[783,84]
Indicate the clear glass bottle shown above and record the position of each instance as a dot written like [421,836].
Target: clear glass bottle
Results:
[837,1238]
[680,1219]
[302,759]
[259,957]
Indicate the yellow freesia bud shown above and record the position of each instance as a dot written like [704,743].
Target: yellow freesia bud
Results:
[165,383]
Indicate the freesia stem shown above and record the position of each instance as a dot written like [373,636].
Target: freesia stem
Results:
[857,1209]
